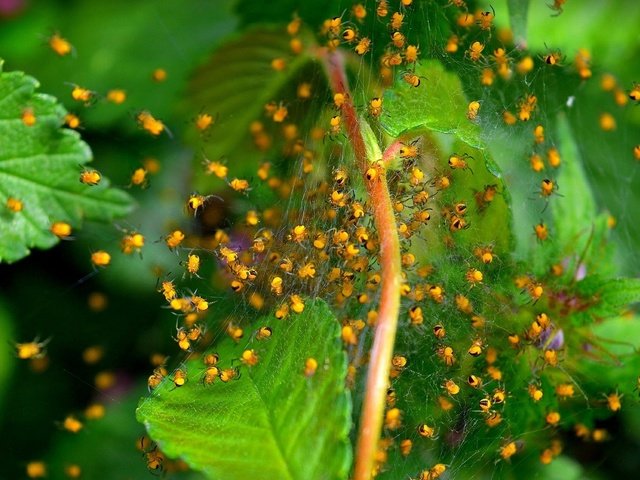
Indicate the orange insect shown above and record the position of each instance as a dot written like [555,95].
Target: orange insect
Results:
[149,123]
[363,46]
[485,21]
[475,51]
[29,350]
[557,7]
[60,45]
[412,79]
[82,94]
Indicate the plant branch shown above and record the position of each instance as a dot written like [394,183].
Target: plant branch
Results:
[391,151]
[390,271]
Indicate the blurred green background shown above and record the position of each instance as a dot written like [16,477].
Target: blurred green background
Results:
[116,45]
[119,44]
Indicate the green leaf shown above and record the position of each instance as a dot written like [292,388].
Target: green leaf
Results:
[438,109]
[579,234]
[271,422]
[434,115]
[617,340]
[588,24]
[615,189]
[616,295]
[576,209]
[372,149]
[438,104]
[518,10]
[580,25]
[610,297]
[40,166]
[623,335]
[236,83]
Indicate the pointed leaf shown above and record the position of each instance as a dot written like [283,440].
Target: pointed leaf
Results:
[610,297]
[580,234]
[236,83]
[588,24]
[272,421]
[434,115]
[437,109]
[40,166]
[576,208]
[518,10]
[438,104]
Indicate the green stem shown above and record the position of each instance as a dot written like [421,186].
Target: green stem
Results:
[390,271]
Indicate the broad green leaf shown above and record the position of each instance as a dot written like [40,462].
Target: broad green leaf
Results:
[582,24]
[437,109]
[40,166]
[587,24]
[623,333]
[618,341]
[518,10]
[438,104]
[608,297]
[271,422]
[579,234]
[434,115]
[576,209]
[236,83]
[615,189]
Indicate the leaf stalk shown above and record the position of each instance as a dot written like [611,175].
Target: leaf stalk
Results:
[390,270]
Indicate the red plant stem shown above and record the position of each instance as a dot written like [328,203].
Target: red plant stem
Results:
[390,271]
[391,151]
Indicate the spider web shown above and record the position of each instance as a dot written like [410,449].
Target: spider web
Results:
[463,441]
